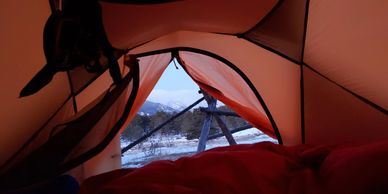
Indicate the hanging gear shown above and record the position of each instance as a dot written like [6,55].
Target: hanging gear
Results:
[74,36]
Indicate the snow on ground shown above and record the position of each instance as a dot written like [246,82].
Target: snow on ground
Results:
[173,147]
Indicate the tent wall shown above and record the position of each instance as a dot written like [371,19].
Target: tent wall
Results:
[225,84]
[94,90]
[347,42]
[74,142]
[276,78]
[21,57]
[345,81]
[333,79]
[107,160]
[333,115]
[151,68]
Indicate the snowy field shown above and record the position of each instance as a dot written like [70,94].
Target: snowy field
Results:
[173,147]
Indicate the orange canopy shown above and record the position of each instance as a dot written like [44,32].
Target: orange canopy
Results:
[303,71]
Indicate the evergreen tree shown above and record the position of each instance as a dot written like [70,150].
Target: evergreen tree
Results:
[136,128]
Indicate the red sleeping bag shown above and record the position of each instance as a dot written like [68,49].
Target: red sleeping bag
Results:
[259,168]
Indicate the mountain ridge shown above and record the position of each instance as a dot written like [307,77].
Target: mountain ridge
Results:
[151,108]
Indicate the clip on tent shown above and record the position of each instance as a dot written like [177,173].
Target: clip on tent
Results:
[302,71]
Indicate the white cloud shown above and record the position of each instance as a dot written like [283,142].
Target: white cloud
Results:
[175,97]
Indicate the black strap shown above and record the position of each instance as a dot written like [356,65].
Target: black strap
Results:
[54,5]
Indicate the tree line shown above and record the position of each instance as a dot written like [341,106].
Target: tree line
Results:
[188,125]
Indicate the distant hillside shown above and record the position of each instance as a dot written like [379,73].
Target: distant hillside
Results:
[151,108]
[189,124]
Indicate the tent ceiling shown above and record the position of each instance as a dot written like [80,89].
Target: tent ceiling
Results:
[282,30]
[130,25]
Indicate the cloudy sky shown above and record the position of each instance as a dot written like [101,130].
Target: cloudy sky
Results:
[174,88]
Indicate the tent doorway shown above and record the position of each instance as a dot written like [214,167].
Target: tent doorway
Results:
[149,137]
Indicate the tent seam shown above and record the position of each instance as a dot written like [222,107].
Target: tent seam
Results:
[296,62]
[273,10]
[302,110]
[363,99]
[72,94]
[243,35]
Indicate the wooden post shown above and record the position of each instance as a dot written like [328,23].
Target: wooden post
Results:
[212,104]
[212,111]
[225,130]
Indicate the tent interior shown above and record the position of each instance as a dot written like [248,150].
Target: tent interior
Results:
[310,73]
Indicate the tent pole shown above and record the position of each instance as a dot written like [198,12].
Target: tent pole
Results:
[131,145]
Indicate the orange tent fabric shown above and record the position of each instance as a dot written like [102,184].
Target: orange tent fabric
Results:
[310,71]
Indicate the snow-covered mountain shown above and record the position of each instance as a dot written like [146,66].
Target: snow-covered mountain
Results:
[176,105]
[150,108]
